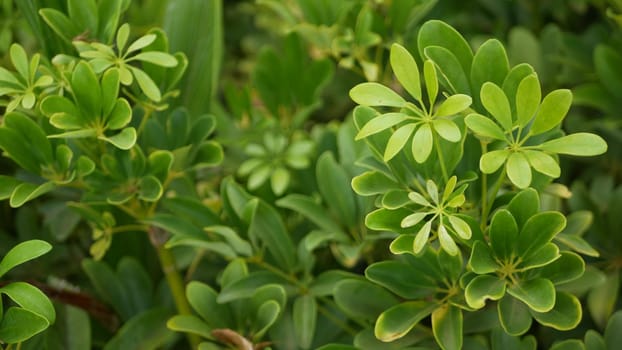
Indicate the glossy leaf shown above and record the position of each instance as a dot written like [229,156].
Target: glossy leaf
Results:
[483,126]
[22,253]
[528,97]
[514,315]
[380,123]
[422,143]
[579,144]
[189,324]
[123,140]
[495,102]
[565,315]
[18,325]
[518,169]
[447,129]
[481,260]
[431,81]
[490,66]
[537,231]
[363,300]
[202,298]
[554,107]
[397,141]
[484,287]
[439,33]
[406,70]
[538,294]
[31,299]
[543,163]
[374,94]
[453,105]
[447,327]
[397,321]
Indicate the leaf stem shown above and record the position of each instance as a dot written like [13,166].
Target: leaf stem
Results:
[484,199]
[157,237]
[490,201]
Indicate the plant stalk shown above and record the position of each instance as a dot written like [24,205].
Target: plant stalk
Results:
[158,237]
[441,159]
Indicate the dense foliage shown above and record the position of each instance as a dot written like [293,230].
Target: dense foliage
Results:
[310,174]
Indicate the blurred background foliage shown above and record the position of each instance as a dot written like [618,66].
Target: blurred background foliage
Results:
[276,75]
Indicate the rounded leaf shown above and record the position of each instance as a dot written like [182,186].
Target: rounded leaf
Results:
[447,327]
[447,129]
[484,287]
[552,111]
[527,99]
[374,94]
[579,144]
[483,126]
[422,143]
[397,321]
[518,169]
[453,105]
[514,315]
[538,294]
[543,163]
[492,161]
[495,102]
[564,316]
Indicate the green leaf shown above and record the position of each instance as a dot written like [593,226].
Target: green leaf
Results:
[543,163]
[528,97]
[503,234]
[612,334]
[447,327]
[564,316]
[18,325]
[150,189]
[537,231]
[380,123]
[86,89]
[514,315]
[431,81]
[31,299]
[579,144]
[124,140]
[462,229]
[552,111]
[422,237]
[447,129]
[19,60]
[120,115]
[490,64]
[60,23]
[310,209]
[524,205]
[146,330]
[84,14]
[141,43]
[189,324]
[398,140]
[447,243]
[7,186]
[568,344]
[545,255]
[334,185]
[58,104]
[518,169]
[483,126]
[495,102]
[398,278]
[422,143]
[108,286]
[158,58]
[373,182]
[538,294]
[492,161]
[481,260]
[413,219]
[568,267]
[305,318]
[374,94]
[406,70]
[439,33]
[451,72]
[398,320]
[267,314]
[25,192]
[246,286]
[238,244]
[453,105]
[147,85]
[484,287]
[202,298]
[362,300]
[279,180]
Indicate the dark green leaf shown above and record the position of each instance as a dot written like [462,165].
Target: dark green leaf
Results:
[202,298]
[514,315]
[439,33]
[22,253]
[146,330]
[30,298]
[484,287]
[18,325]
[447,327]
[565,315]
[490,64]
[305,318]
[362,300]
[397,321]
[537,231]
[189,324]
[538,294]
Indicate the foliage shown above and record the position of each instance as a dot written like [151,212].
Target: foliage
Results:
[308,174]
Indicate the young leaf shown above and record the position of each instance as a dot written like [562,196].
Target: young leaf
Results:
[158,58]
[23,252]
[552,111]
[518,169]
[453,105]
[579,144]
[431,81]
[374,94]
[483,126]
[492,161]
[406,70]
[495,102]
[123,140]
[422,143]
[147,85]
[380,123]
[398,140]
[421,239]
[447,243]
[543,163]
[528,98]
[447,129]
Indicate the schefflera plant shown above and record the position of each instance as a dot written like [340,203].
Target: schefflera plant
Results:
[513,259]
